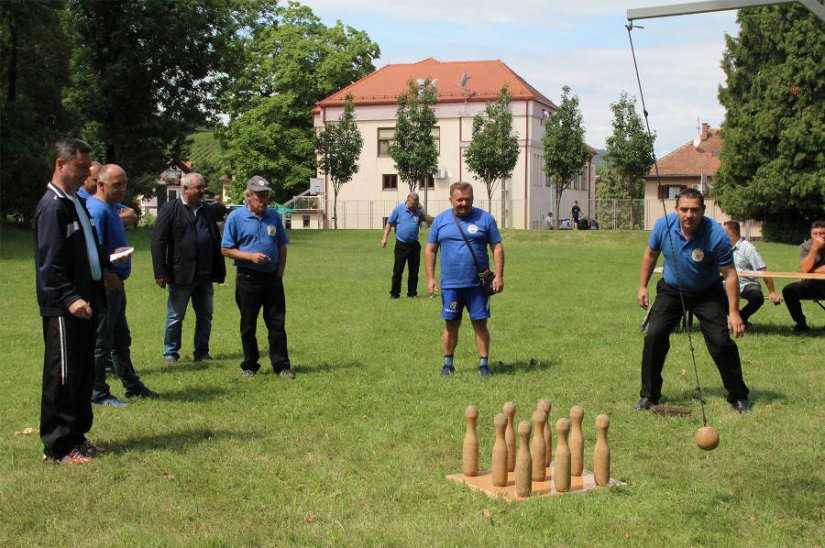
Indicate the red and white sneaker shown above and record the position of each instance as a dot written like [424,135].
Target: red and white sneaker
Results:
[90,449]
[75,457]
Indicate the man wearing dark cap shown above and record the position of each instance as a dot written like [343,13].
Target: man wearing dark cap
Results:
[255,239]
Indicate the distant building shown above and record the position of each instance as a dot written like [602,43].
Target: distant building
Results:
[692,165]
[463,90]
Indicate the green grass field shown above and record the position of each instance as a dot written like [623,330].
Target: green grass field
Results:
[355,451]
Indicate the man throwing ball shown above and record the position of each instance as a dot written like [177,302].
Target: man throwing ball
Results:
[460,282]
[696,250]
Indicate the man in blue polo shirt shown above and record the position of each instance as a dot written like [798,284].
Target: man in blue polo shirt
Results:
[127,215]
[460,284]
[695,249]
[406,219]
[255,239]
[113,336]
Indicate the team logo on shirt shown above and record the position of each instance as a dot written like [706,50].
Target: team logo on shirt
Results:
[270,229]
[453,305]
[472,229]
[697,255]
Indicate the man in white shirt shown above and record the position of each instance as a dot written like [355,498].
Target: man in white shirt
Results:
[746,257]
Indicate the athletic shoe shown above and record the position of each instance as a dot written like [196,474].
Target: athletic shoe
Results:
[91,449]
[110,400]
[170,360]
[75,457]
[249,372]
[447,370]
[801,328]
[206,358]
[741,406]
[286,373]
[142,392]
[484,371]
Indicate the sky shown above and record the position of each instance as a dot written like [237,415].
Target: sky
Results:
[551,43]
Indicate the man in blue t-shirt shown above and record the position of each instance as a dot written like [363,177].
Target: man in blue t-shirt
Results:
[127,215]
[255,239]
[113,336]
[695,249]
[460,283]
[406,219]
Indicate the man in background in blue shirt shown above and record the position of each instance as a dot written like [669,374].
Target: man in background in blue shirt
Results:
[127,215]
[406,219]
[460,283]
[255,239]
[113,336]
[695,249]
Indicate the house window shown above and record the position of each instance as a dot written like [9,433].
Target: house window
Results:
[305,221]
[389,181]
[436,133]
[385,138]
[669,191]
[430,182]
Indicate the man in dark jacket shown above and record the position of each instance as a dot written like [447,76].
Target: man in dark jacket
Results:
[69,274]
[187,258]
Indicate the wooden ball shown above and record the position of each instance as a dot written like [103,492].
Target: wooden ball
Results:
[707,438]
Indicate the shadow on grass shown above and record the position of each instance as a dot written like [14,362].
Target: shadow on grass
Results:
[689,396]
[176,441]
[786,330]
[325,367]
[193,394]
[529,365]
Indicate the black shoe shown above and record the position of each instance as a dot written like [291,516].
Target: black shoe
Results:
[801,328]
[286,373]
[142,392]
[644,403]
[485,371]
[741,406]
[412,296]
[204,358]
[394,296]
[447,370]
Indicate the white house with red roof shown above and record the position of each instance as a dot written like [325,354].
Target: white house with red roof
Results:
[694,165]
[463,90]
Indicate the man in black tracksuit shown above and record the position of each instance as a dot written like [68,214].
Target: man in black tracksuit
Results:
[69,267]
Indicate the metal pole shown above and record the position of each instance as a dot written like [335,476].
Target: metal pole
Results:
[691,8]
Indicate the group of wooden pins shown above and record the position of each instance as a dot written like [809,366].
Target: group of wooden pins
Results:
[534,456]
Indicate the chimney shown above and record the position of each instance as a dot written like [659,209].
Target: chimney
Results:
[705,131]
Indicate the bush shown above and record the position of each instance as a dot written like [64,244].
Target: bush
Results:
[147,221]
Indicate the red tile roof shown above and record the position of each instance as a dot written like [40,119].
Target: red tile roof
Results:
[693,160]
[485,79]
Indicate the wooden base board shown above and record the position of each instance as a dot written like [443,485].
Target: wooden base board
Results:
[484,482]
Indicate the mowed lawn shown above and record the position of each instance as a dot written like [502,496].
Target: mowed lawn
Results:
[355,451]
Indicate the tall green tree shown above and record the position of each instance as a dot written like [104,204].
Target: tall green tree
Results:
[773,159]
[33,73]
[629,155]
[413,148]
[285,66]
[493,152]
[207,158]
[339,145]
[144,75]
[565,151]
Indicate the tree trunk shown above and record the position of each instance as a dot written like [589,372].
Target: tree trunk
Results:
[503,204]
[335,208]
[559,192]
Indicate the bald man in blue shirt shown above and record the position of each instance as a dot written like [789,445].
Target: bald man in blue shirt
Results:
[695,249]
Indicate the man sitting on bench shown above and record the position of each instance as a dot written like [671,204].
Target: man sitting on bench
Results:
[811,260]
[745,257]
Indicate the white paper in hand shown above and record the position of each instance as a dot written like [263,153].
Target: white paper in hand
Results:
[125,253]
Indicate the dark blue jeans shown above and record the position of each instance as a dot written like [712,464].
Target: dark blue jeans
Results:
[113,342]
[201,292]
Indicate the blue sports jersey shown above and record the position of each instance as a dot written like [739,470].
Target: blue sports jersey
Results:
[698,259]
[457,266]
[246,232]
[110,232]
[406,223]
